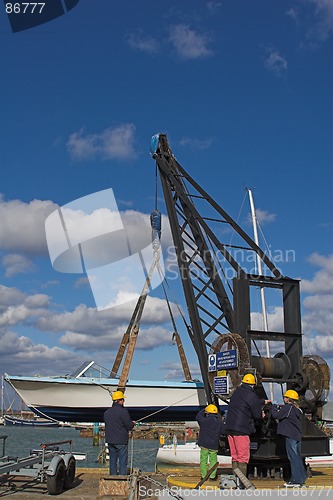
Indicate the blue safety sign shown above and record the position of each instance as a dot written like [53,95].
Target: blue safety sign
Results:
[223,360]
[226,359]
[221,385]
[212,363]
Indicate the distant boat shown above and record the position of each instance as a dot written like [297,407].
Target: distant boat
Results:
[29,422]
[185,454]
[86,394]
[189,454]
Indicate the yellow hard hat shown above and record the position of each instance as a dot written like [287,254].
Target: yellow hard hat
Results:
[291,394]
[117,395]
[211,409]
[249,379]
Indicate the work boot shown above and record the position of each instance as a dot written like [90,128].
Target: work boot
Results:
[234,465]
[243,468]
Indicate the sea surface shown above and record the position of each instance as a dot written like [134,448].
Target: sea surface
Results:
[21,440]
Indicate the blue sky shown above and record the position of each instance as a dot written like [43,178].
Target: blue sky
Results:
[244,92]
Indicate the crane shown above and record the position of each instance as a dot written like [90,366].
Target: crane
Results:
[217,281]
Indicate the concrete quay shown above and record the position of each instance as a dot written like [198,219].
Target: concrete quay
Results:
[95,484]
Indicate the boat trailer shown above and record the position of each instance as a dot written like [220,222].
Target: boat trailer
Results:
[48,464]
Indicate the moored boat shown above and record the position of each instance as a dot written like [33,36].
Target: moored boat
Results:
[189,454]
[30,422]
[185,454]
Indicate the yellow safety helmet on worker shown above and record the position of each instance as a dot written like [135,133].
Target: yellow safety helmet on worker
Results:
[249,379]
[211,409]
[117,395]
[291,394]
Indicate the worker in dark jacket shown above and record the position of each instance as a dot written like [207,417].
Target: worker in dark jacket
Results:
[289,418]
[244,408]
[211,428]
[118,423]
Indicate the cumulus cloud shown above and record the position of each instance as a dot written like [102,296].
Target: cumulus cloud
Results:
[263,216]
[88,320]
[22,308]
[143,43]
[174,371]
[322,281]
[112,143]
[188,43]
[148,339]
[22,226]
[318,306]
[275,62]
[21,356]
[274,320]
[314,19]
[213,7]
[16,264]
[196,144]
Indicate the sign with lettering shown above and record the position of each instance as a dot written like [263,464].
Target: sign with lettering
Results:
[226,360]
[221,385]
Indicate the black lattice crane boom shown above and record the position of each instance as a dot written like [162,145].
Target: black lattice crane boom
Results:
[217,288]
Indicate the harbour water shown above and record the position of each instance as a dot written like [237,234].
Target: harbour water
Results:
[21,440]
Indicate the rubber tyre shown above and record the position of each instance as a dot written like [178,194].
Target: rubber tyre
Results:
[70,473]
[55,484]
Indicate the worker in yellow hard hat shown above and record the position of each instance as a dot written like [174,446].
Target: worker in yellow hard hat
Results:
[243,410]
[211,428]
[289,417]
[118,423]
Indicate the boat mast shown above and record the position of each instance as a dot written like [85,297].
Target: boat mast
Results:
[262,290]
[2,397]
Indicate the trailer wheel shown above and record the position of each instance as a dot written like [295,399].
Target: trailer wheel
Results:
[55,483]
[70,473]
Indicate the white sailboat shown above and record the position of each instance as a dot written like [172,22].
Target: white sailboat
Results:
[189,454]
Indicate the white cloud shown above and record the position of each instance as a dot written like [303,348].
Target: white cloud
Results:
[29,307]
[143,43]
[98,323]
[275,62]
[196,144]
[263,216]
[16,264]
[10,296]
[318,306]
[175,371]
[314,20]
[148,338]
[274,320]
[111,143]
[188,43]
[19,355]
[322,21]
[22,225]
[322,281]
[213,7]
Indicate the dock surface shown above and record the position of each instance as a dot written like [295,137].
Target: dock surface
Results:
[86,485]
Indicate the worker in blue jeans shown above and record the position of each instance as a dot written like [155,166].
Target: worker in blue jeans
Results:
[118,423]
[289,417]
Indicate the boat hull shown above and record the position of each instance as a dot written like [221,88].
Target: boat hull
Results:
[9,420]
[189,454]
[86,400]
[185,454]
